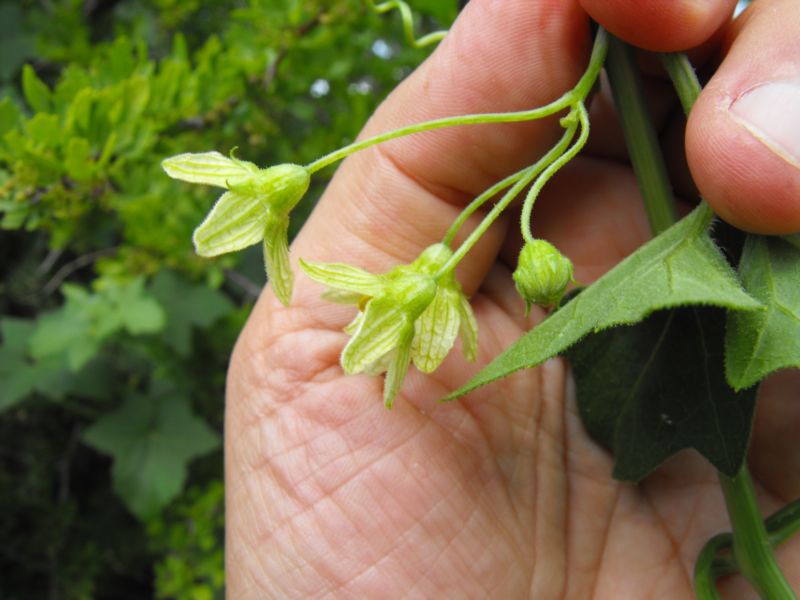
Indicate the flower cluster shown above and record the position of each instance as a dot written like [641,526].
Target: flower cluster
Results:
[406,315]
[255,209]
[411,314]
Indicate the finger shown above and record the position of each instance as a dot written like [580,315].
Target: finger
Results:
[743,135]
[661,25]
[387,203]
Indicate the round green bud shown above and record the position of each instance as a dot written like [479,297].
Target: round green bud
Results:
[542,274]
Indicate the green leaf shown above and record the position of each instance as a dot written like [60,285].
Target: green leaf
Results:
[86,321]
[760,342]
[649,390]
[152,439]
[679,267]
[21,376]
[17,378]
[36,92]
[10,115]
[187,305]
[77,159]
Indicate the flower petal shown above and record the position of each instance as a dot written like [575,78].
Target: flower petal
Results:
[352,327]
[342,296]
[436,330]
[276,257]
[398,368]
[344,277]
[235,222]
[382,327]
[381,365]
[210,168]
[468,329]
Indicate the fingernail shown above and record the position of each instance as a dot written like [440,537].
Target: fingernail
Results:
[771,113]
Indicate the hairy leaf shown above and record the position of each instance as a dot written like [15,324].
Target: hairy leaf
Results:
[760,342]
[152,440]
[679,267]
[649,390]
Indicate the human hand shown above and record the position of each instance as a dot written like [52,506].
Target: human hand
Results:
[500,494]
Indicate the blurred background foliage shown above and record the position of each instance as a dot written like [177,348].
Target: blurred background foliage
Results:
[114,337]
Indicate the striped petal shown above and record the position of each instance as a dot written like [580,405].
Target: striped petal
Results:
[468,329]
[276,257]
[209,168]
[436,330]
[236,221]
[344,277]
[380,330]
[398,369]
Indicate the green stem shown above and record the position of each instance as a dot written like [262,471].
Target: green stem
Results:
[408,22]
[751,545]
[547,174]
[511,117]
[683,77]
[578,93]
[704,580]
[528,175]
[640,137]
[480,201]
[784,523]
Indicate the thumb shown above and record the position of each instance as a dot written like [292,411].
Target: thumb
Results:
[743,136]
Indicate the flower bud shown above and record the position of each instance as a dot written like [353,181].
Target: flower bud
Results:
[542,274]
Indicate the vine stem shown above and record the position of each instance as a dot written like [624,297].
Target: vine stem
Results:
[640,137]
[552,169]
[704,580]
[751,545]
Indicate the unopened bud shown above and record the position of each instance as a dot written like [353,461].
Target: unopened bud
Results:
[542,274]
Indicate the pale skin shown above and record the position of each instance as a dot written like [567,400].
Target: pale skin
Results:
[500,494]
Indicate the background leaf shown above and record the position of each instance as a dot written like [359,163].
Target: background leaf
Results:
[760,342]
[187,305]
[151,439]
[681,266]
[36,92]
[649,390]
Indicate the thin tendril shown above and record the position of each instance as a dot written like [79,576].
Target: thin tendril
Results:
[408,23]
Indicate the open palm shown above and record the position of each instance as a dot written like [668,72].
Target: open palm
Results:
[501,494]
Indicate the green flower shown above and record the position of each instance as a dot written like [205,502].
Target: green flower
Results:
[542,274]
[256,207]
[405,315]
